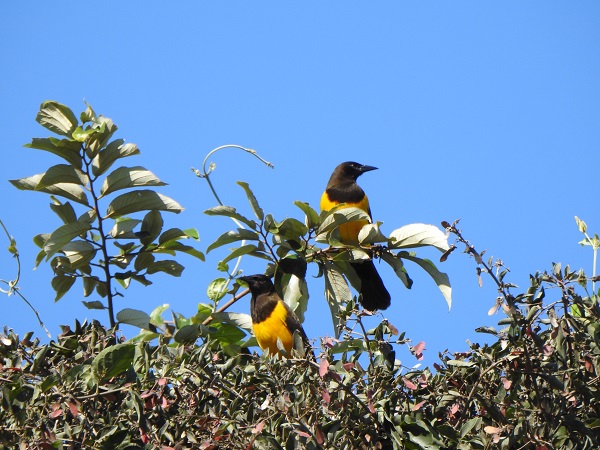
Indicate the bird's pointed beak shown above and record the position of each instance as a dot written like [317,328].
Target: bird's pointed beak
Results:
[364,169]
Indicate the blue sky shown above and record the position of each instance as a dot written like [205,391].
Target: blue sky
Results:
[486,112]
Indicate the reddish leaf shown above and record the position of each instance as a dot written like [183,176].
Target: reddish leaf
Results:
[417,406]
[348,366]
[302,433]
[147,394]
[162,381]
[73,408]
[326,396]
[492,430]
[319,436]
[371,406]
[329,342]
[56,413]
[417,350]
[393,329]
[258,428]
[507,383]
[323,367]
[409,384]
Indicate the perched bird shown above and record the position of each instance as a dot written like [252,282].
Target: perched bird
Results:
[272,318]
[342,188]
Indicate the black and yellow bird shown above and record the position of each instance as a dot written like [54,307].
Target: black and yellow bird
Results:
[272,318]
[342,188]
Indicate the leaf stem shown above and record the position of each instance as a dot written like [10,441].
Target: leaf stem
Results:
[103,243]
[206,171]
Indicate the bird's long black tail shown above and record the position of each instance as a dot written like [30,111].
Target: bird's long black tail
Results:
[374,295]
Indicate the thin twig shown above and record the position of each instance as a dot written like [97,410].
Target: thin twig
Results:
[227,305]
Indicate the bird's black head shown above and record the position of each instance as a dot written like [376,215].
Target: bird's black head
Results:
[258,284]
[352,170]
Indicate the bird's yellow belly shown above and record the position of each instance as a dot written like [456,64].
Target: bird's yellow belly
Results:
[348,231]
[272,328]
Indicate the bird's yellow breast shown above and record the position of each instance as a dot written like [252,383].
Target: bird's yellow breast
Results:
[272,328]
[348,231]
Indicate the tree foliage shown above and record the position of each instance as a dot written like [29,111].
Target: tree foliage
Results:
[193,383]
[83,247]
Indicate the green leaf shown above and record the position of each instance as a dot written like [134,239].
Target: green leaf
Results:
[189,333]
[241,234]
[114,150]
[134,317]
[151,227]
[288,229]
[340,215]
[67,149]
[581,225]
[248,249]
[172,234]
[143,261]
[41,239]
[62,235]
[57,118]
[89,284]
[65,212]
[398,267]
[226,333]
[440,278]
[469,425]
[61,173]
[88,217]
[459,363]
[192,233]
[258,212]
[173,246]
[168,266]
[240,320]
[229,211]
[141,200]
[88,115]
[217,289]
[203,312]
[79,253]
[370,234]
[96,304]
[113,361]
[68,190]
[312,216]
[419,235]
[128,177]
[61,285]
[337,292]
[123,228]
[156,314]
[81,135]
[295,294]
[103,129]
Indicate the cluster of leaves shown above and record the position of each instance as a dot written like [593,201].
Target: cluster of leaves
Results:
[80,248]
[290,245]
[536,387]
